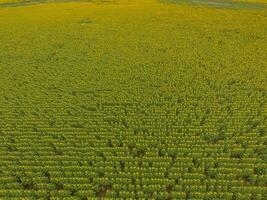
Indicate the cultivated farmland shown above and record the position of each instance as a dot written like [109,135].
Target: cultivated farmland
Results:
[133,99]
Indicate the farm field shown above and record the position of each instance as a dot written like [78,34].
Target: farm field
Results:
[133,99]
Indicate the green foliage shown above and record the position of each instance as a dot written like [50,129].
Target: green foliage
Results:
[133,99]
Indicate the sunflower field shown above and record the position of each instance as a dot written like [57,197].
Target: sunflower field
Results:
[133,99]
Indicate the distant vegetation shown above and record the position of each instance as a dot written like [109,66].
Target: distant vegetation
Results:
[18,3]
[222,3]
[132,99]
